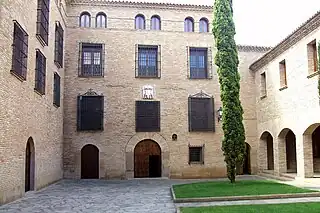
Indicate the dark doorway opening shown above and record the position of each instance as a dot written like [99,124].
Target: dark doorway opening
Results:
[29,166]
[291,152]
[90,162]
[147,159]
[247,163]
[316,149]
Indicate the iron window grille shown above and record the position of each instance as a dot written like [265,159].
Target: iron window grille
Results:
[43,21]
[91,60]
[148,61]
[201,114]
[147,116]
[198,63]
[40,73]
[58,50]
[90,112]
[56,89]
[196,154]
[19,52]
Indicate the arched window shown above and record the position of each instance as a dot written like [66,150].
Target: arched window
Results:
[85,19]
[101,20]
[188,24]
[203,25]
[155,23]
[140,22]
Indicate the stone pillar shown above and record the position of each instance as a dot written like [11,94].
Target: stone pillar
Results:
[300,156]
[308,156]
[263,164]
[280,158]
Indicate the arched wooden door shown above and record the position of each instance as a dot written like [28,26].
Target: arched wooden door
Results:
[29,166]
[147,159]
[90,162]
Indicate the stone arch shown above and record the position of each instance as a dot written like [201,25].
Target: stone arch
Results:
[287,151]
[266,156]
[311,149]
[134,140]
[30,165]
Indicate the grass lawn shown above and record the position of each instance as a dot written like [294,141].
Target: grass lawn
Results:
[240,188]
[271,208]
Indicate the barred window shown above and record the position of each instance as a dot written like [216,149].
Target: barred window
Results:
[201,114]
[40,78]
[203,25]
[198,63]
[19,52]
[56,89]
[188,24]
[43,21]
[58,49]
[91,59]
[196,154]
[147,116]
[155,23]
[140,22]
[90,113]
[101,20]
[148,61]
[85,19]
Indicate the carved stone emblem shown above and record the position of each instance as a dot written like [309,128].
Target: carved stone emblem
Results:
[147,92]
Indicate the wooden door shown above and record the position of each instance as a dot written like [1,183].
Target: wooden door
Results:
[28,168]
[147,159]
[90,162]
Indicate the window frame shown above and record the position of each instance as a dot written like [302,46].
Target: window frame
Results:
[59,45]
[19,64]
[92,48]
[40,73]
[283,74]
[85,21]
[187,22]
[203,22]
[99,17]
[43,16]
[137,23]
[56,89]
[263,85]
[195,51]
[147,51]
[155,19]
[312,54]
[201,154]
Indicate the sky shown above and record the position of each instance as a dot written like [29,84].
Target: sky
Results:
[263,22]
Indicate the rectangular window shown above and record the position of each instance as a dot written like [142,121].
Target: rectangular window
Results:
[91,60]
[196,154]
[283,73]
[263,85]
[19,52]
[58,48]
[56,89]
[198,63]
[201,114]
[90,113]
[312,57]
[40,78]
[148,61]
[43,21]
[147,116]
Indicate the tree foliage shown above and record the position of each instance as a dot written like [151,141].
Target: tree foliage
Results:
[233,143]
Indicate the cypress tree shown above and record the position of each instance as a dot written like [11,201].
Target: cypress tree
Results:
[233,143]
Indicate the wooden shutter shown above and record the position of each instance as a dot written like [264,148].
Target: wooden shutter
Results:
[189,114]
[136,60]
[201,114]
[159,62]
[79,112]
[147,116]
[188,62]
[209,63]
[56,92]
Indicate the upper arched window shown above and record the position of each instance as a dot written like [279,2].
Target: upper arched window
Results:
[85,19]
[188,24]
[140,22]
[155,23]
[203,25]
[101,20]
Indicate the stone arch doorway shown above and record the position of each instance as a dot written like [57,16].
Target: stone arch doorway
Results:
[30,166]
[266,148]
[288,141]
[316,149]
[311,149]
[89,162]
[147,159]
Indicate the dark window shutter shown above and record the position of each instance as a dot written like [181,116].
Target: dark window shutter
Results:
[56,92]
[189,114]
[147,116]
[201,114]
[79,112]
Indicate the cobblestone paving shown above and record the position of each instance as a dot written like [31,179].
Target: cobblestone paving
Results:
[100,196]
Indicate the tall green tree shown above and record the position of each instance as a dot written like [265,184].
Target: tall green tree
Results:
[233,143]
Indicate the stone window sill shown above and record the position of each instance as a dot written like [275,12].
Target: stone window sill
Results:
[283,88]
[313,74]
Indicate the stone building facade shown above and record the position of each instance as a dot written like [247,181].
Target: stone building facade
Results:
[118,90]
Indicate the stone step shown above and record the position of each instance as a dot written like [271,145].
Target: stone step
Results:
[271,176]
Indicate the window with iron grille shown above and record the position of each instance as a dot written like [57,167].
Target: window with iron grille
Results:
[196,154]
[56,89]
[40,78]
[91,60]
[90,113]
[43,21]
[201,114]
[58,48]
[147,116]
[198,63]
[148,61]
[19,52]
